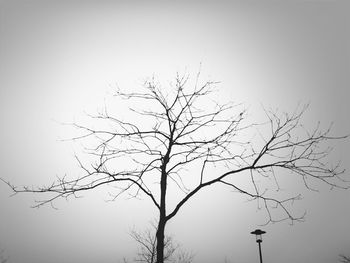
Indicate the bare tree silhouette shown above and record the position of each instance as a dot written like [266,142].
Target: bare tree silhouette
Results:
[184,134]
[147,253]
[344,259]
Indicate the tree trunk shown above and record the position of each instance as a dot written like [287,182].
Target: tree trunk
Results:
[160,239]
[162,218]
[162,210]
[162,206]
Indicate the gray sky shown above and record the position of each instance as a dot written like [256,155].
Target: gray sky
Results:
[60,58]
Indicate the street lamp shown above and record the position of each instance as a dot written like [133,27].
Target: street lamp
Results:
[258,233]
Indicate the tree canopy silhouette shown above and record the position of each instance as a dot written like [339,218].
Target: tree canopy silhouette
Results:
[173,140]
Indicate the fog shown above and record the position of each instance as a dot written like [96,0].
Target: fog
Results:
[59,59]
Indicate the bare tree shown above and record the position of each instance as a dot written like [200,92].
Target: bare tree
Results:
[183,134]
[344,259]
[148,247]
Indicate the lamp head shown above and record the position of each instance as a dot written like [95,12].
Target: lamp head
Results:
[258,233]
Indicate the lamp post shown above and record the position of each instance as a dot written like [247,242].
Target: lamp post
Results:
[258,233]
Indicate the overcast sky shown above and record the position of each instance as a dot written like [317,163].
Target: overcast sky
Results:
[61,58]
